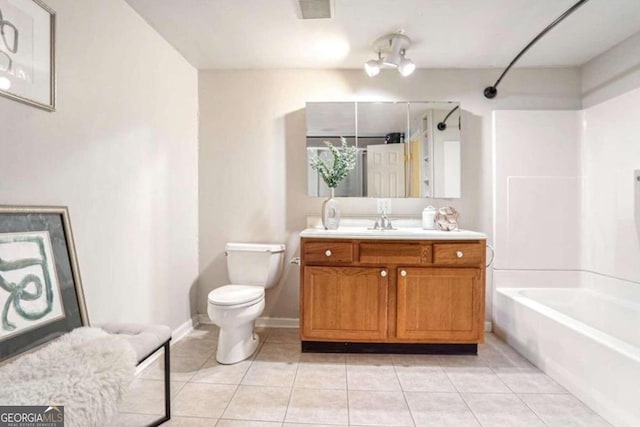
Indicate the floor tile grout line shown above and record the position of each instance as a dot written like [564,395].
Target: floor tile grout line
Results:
[538,372]
[519,398]
[494,368]
[516,394]
[584,405]
[531,409]
[222,417]
[504,382]
[503,353]
[173,398]
[286,411]
[501,382]
[346,380]
[249,420]
[252,358]
[140,413]
[406,402]
[403,393]
[463,399]
[228,403]
[194,374]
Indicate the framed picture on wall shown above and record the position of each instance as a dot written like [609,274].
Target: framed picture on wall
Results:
[41,294]
[27,52]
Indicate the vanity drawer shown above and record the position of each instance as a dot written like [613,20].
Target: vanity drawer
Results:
[395,253]
[328,252]
[458,253]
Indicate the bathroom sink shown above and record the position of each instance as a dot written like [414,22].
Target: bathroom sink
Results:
[408,233]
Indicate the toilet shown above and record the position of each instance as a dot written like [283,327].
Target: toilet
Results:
[234,307]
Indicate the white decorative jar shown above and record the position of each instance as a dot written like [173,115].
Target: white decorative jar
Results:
[429,218]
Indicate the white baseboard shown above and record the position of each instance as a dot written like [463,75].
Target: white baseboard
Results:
[203,319]
[262,322]
[488,326]
[277,322]
[176,335]
[286,322]
[184,329]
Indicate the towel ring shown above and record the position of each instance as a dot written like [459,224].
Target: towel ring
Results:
[493,255]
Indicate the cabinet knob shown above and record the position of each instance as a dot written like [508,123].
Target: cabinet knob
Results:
[459,254]
[383,273]
[403,273]
[328,252]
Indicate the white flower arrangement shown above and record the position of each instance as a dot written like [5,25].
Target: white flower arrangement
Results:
[344,161]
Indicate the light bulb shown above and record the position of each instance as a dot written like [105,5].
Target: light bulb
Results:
[372,68]
[5,83]
[406,67]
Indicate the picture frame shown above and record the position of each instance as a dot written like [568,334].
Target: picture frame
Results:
[41,295]
[27,53]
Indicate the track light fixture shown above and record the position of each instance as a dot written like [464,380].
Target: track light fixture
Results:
[372,67]
[391,50]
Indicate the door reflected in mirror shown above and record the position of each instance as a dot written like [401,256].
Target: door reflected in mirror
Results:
[404,149]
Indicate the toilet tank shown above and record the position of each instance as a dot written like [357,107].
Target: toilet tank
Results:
[257,264]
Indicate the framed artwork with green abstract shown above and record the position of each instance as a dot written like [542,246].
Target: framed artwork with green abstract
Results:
[27,53]
[41,294]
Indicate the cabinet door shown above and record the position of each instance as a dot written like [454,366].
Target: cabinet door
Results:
[344,303]
[440,304]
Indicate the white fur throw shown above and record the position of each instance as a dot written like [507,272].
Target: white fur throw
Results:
[86,370]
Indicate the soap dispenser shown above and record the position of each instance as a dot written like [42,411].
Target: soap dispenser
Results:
[429,218]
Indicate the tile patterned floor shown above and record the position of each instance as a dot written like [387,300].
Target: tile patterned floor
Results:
[281,387]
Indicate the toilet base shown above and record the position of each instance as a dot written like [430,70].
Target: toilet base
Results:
[236,344]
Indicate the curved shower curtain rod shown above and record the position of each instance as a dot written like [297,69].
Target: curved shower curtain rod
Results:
[490,92]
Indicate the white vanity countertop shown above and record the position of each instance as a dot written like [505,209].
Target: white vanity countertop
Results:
[401,233]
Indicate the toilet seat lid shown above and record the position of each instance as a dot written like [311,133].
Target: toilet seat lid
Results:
[235,294]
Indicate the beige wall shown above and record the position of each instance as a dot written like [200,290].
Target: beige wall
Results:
[612,73]
[252,158]
[121,152]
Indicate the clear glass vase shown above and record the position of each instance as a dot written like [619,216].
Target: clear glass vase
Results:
[331,212]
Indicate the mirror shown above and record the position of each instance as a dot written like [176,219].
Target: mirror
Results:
[404,149]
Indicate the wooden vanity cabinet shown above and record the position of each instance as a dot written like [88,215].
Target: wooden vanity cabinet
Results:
[440,304]
[386,291]
[345,303]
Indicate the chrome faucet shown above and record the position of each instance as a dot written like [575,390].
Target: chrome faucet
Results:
[383,223]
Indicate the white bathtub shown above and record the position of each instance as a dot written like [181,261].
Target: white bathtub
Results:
[586,340]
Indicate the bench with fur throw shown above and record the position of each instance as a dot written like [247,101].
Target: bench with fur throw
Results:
[87,371]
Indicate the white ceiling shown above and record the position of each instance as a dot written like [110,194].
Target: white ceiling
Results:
[446,33]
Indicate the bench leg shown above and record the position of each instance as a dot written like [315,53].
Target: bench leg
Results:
[167,388]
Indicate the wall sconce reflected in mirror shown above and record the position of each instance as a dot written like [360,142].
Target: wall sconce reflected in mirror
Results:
[443,124]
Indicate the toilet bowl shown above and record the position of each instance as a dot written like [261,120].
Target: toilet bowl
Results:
[235,307]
